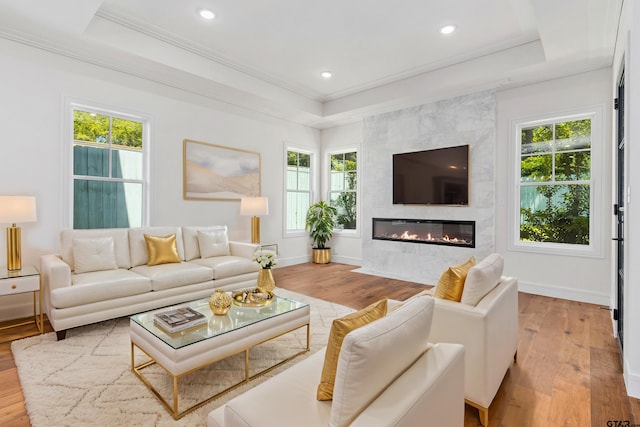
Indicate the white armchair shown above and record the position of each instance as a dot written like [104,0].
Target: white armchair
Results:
[489,333]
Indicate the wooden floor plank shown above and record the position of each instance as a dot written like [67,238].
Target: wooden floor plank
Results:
[526,407]
[568,370]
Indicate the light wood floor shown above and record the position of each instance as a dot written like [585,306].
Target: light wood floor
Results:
[568,371]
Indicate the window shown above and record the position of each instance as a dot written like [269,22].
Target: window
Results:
[108,169]
[298,189]
[343,193]
[554,183]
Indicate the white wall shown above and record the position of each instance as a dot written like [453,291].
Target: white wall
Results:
[32,98]
[346,246]
[628,54]
[577,278]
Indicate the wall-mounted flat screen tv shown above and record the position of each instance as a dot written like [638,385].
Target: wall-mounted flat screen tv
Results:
[432,177]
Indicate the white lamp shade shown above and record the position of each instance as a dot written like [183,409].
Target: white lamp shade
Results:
[254,206]
[17,209]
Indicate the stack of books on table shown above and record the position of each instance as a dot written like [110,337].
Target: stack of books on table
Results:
[179,319]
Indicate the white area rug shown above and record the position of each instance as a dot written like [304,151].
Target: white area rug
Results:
[86,379]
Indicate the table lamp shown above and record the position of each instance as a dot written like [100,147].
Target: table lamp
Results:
[254,206]
[16,209]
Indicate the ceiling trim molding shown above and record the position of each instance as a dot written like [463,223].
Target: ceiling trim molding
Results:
[132,68]
[204,52]
[215,56]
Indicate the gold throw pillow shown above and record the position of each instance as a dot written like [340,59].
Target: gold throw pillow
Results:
[451,282]
[340,328]
[161,249]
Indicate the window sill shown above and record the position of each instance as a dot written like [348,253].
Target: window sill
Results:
[591,251]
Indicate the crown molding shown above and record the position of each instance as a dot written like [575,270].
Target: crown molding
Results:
[204,52]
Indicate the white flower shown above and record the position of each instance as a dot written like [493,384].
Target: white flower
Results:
[265,258]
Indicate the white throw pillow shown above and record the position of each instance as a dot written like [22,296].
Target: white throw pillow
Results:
[96,254]
[213,243]
[482,278]
[370,359]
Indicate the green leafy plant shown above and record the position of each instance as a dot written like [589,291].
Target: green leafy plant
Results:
[320,222]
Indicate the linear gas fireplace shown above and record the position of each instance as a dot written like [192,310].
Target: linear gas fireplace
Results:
[427,231]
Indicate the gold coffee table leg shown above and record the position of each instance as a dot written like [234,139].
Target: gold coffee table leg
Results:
[173,409]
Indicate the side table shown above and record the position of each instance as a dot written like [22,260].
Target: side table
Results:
[269,246]
[20,282]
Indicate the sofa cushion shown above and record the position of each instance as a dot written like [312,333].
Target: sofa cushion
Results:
[213,243]
[190,237]
[120,244]
[94,254]
[339,329]
[166,276]
[482,278]
[161,249]
[451,283]
[373,356]
[138,244]
[97,286]
[227,266]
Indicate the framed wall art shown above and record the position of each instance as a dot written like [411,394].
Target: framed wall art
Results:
[215,172]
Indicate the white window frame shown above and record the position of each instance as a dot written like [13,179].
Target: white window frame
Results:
[595,247]
[71,104]
[312,167]
[354,232]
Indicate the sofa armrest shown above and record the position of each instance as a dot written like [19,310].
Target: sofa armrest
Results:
[242,249]
[55,272]
[430,392]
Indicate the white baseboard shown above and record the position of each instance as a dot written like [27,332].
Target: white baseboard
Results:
[632,382]
[346,260]
[390,275]
[571,294]
[283,262]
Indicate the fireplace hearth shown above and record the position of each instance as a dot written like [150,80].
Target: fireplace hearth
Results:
[426,231]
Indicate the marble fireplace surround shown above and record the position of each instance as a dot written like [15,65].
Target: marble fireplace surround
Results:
[468,119]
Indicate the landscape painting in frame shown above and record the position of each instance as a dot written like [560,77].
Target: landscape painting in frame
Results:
[219,173]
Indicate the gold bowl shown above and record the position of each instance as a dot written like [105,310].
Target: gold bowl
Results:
[252,298]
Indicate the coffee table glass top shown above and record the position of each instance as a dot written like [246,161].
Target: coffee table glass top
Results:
[237,318]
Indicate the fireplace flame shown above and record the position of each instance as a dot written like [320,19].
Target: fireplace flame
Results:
[407,236]
[422,234]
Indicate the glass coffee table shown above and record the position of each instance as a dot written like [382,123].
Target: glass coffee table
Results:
[238,331]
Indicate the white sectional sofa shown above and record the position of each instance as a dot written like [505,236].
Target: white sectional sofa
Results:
[387,375]
[103,274]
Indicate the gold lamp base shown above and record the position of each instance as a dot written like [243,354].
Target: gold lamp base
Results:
[14,261]
[255,229]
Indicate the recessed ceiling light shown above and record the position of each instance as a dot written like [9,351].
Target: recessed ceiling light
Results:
[326,74]
[447,29]
[206,14]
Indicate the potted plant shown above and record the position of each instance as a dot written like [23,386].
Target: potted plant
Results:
[320,221]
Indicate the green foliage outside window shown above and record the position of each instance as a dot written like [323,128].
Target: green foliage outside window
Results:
[343,194]
[90,127]
[555,170]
